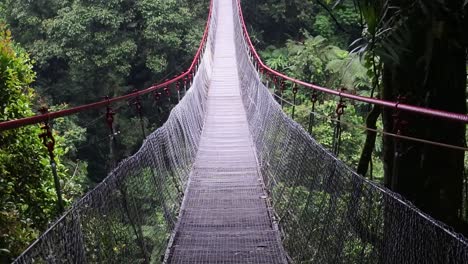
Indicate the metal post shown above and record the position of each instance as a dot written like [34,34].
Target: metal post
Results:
[294,100]
[340,109]
[157,98]
[400,125]
[178,91]
[136,226]
[282,87]
[49,142]
[313,98]
[139,111]
[110,123]
[190,79]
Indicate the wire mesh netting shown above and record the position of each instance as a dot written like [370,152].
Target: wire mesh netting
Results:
[327,212]
[224,216]
[129,217]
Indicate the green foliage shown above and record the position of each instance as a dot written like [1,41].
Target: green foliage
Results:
[27,194]
[82,50]
[26,200]
[316,60]
[352,135]
[409,41]
[412,43]
[68,137]
[280,20]
[88,49]
[324,26]
[309,206]
[314,51]
[137,214]
[353,73]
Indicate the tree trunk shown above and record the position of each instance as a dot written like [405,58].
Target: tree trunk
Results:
[443,168]
[366,155]
[431,74]
[387,120]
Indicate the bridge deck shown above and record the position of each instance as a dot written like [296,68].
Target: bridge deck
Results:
[225,217]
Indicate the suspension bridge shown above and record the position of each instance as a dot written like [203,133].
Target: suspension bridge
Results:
[230,178]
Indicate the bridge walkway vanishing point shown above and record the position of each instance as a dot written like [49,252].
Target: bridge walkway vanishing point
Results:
[225,217]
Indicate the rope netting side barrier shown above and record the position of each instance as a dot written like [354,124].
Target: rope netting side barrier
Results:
[326,211]
[128,218]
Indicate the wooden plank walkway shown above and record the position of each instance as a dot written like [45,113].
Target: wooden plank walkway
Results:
[224,216]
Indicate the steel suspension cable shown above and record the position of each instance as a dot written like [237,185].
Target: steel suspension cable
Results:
[379,131]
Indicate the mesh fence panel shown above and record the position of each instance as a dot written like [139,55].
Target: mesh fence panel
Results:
[128,218]
[328,213]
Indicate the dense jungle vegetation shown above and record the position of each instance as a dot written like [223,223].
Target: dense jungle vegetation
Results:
[58,54]
[61,53]
[408,51]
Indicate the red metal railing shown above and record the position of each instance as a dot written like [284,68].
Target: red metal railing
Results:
[395,105]
[51,115]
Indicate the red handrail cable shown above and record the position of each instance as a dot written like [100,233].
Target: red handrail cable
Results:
[6,125]
[411,108]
